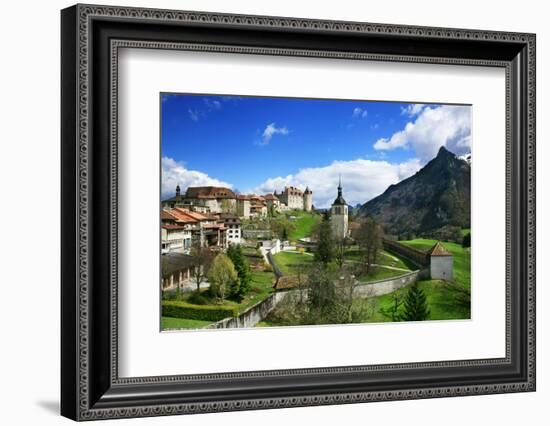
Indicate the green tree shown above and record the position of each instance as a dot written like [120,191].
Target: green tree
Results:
[416,304]
[467,240]
[221,276]
[340,248]
[241,287]
[393,310]
[321,299]
[282,227]
[369,240]
[325,247]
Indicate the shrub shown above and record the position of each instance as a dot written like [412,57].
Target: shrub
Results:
[198,298]
[180,309]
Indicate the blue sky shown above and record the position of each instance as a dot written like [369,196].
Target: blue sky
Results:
[259,144]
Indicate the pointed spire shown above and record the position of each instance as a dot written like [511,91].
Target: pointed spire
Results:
[340,199]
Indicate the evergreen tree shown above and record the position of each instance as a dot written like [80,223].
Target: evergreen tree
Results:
[285,234]
[241,287]
[416,305]
[467,240]
[325,248]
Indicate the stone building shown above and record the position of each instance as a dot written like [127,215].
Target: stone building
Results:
[176,233]
[272,202]
[243,206]
[212,198]
[291,196]
[233,228]
[339,215]
[441,263]
[177,270]
[308,199]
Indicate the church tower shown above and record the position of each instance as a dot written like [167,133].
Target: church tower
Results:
[339,215]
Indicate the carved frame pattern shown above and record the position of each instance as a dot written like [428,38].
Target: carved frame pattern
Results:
[85,409]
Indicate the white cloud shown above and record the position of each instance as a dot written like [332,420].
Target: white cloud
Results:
[193,114]
[359,112]
[174,173]
[271,130]
[212,104]
[362,180]
[412,109]
[446,125]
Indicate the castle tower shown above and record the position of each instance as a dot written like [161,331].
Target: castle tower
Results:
[339,215]
[308,199]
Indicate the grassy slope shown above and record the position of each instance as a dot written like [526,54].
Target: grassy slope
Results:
[384,258]
[304,223]
[461,258]
[289,261]
[379,274]
[441,301]
[179,323]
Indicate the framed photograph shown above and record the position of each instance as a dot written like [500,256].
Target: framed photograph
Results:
[263,212]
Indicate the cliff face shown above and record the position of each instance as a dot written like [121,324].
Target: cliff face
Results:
[436,196]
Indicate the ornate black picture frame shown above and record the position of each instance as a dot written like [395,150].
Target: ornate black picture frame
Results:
[91,36]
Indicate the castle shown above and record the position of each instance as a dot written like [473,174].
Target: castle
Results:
[212,199]
[294,198]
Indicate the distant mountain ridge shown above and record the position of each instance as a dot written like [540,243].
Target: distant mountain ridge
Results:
[437,195]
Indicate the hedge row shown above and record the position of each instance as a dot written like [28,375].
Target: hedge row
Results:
[180,309]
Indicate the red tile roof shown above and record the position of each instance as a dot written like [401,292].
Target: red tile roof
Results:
[185,215]
[165,215]
[209,192]
[171,227]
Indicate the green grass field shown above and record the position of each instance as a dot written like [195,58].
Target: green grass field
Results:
[384,258]
[304,223]
[180,323]
[442,301]
[378,273]
[461,258]
[289,261]
[261,287]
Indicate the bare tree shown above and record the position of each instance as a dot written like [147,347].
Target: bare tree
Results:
[369,239]
[340,248]
[202,259]
[228,207]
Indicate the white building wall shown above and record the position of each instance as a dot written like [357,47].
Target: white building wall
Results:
[441,268]
[339,221]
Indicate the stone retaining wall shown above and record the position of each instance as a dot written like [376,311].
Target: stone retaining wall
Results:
[252,315]
[260,310]
[389,285]
[419,257]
